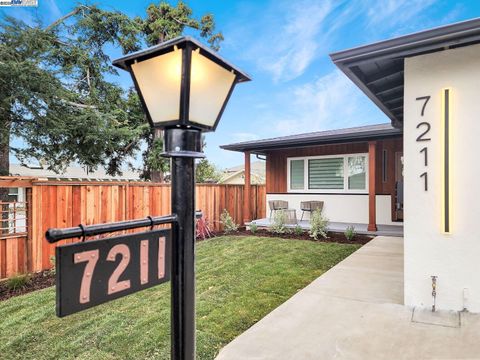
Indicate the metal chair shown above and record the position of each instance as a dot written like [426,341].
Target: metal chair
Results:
[310,206]
[275,205]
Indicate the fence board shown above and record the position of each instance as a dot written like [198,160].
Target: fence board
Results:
[3,258]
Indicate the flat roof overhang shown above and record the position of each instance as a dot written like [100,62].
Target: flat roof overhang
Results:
[342,136]
[378,68]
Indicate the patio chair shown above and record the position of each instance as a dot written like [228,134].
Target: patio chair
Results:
[275,205]
[310,206]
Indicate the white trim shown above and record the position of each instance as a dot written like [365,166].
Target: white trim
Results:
[345,190]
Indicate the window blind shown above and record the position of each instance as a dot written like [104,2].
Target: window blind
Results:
[326,173]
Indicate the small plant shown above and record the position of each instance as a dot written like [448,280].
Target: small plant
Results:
[279,221]
[297,230]
[318,225]
[350,233]
[253,228]
[203,230]
[53,263]
[17,282]
[229,225]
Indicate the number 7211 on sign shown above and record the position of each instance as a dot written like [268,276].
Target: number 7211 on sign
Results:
[94,272]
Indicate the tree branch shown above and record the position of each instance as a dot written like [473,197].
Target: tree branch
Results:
[185,24]
[81,106]
[88,80]
[129,146]
[65,17]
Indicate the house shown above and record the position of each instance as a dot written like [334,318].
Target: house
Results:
[71,173]
[17,197]
[427,84]
[236,175]
[356,172]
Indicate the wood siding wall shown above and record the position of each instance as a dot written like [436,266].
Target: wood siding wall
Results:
[276,179]
[66,204]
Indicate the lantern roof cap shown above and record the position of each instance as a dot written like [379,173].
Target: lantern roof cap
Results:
[125,61]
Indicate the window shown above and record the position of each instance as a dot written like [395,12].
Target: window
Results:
[325,173]
[357,173]
[341,173]
[13,194]
[384,165]
[297,175]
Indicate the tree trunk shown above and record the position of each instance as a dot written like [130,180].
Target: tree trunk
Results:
[4,171]
[4,148]
[157,175]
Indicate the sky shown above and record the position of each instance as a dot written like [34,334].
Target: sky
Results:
[285,47]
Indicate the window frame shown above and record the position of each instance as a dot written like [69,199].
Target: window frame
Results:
[345,189]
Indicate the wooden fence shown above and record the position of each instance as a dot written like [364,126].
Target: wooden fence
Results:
[65,204]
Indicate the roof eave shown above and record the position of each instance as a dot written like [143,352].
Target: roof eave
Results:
[262,149]
[403,46]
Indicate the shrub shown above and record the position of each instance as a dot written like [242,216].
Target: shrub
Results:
[279,221]
[53,263]
[350,233]
[318,225]
[202,230]
[297,230]
[229,225]
[253,228]
[17,282]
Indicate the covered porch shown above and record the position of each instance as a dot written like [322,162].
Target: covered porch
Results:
[362,229]
[356,173]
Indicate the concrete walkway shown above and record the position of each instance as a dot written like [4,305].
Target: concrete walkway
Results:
[355,311]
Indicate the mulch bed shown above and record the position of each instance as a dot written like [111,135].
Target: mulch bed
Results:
[334,237]
[37,281]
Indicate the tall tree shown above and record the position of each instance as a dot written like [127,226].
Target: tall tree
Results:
[164,22]
[206,172]
[55,96]
[57,92]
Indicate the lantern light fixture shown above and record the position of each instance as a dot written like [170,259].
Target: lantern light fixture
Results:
[182,83]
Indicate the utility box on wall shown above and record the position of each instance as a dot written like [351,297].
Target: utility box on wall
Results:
[442,171]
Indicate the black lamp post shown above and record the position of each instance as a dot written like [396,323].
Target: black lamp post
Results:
[184,87]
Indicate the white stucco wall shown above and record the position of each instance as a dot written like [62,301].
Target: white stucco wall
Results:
[384,210]
[340,208]
[454,258]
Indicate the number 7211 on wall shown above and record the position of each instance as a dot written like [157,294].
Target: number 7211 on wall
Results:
[94,272]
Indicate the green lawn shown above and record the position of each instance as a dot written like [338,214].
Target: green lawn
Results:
[239,280]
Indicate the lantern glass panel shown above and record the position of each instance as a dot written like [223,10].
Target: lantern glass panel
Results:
[209,87]
[159,80]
